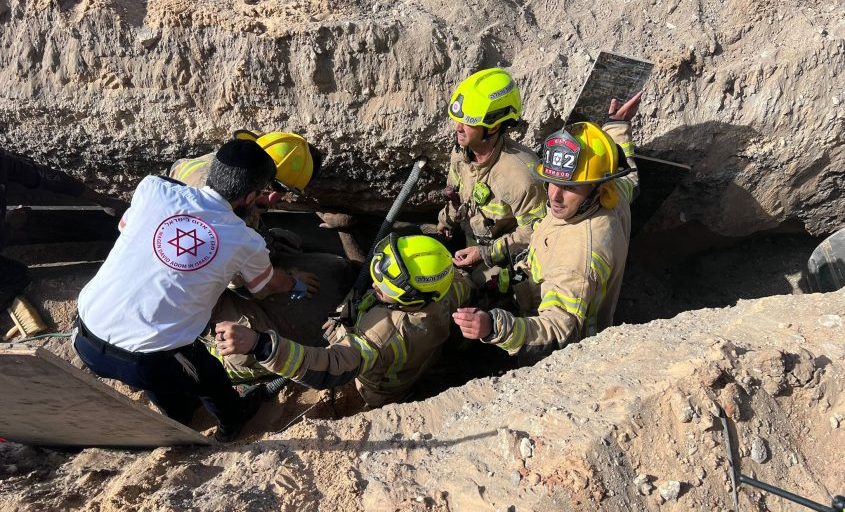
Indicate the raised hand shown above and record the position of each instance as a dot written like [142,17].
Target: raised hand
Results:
[627,111]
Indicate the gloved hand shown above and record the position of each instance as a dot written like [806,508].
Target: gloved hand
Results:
[305,284]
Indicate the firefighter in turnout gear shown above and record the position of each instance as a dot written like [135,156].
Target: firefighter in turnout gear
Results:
[491,193]
[401,327]
[577,253]
[296,161]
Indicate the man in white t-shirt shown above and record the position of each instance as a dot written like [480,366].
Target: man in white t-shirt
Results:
[140,316]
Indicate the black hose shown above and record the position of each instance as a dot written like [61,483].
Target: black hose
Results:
[363,279]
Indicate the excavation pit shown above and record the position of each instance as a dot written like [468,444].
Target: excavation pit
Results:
[717,276]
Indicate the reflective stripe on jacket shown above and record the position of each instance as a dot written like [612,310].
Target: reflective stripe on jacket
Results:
[192,171]
[576,274]
[504,223]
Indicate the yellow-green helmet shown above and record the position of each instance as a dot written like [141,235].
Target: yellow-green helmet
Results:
[290,152]
[580,154]
[412,270]
[487,98]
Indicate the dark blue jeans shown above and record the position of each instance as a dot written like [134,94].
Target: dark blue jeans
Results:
[175,387]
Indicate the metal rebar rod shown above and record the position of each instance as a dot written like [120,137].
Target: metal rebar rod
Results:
[785,494]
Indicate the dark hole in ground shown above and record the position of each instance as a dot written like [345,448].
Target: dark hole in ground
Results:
[709,272]
[759,266]
[756,267]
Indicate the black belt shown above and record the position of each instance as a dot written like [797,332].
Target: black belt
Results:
[105,347]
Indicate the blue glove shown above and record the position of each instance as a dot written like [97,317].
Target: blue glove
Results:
[299,290]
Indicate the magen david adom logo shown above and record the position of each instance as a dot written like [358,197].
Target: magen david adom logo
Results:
[185,243]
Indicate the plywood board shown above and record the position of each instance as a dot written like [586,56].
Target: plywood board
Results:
[45,401]
[612,76]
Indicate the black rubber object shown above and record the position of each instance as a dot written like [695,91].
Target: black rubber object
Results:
[826,266]
[363,280]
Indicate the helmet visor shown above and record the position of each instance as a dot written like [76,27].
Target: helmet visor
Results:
[493,117]
[381,267]
[388,272]
[384,265]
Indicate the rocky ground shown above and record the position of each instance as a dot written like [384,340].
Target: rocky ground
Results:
[634,434]
[622,421]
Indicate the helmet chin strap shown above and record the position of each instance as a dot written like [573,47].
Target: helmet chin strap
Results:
[589,201]
[484,138]
[422,298]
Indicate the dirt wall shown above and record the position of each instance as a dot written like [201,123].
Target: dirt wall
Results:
[748,93]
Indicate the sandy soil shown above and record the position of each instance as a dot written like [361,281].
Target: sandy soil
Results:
[536,438]
[746,92]
[644,411]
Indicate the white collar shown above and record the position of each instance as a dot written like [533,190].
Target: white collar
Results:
[213,193]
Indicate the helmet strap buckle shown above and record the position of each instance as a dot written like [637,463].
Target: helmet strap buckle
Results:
[410,294]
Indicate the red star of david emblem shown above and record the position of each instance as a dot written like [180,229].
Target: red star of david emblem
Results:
[191,235]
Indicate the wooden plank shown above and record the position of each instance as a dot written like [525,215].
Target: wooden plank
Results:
[45,401]
[643,160]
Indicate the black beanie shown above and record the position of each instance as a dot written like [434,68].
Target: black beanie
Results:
[240,167]
[248,155]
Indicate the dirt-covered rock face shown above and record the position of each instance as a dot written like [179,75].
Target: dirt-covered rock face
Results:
[748,93]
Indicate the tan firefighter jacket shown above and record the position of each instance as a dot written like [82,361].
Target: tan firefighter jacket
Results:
[192,171]
[387,351]
[576,269]
[502,224]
